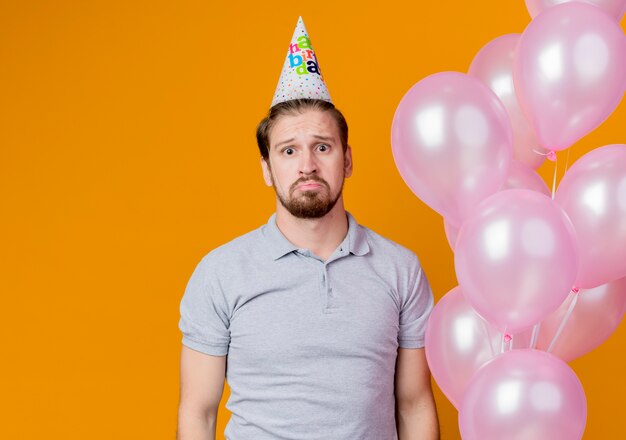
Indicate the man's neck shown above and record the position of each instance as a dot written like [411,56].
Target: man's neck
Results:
[321,235]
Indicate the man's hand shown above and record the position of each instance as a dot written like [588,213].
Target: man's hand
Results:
[416,414]
[201,387]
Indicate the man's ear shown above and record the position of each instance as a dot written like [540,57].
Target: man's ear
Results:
[347,162]
[267,173]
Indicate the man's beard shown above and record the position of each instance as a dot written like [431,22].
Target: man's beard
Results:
[309,204]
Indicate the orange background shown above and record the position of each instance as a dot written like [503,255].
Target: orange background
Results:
[128,152]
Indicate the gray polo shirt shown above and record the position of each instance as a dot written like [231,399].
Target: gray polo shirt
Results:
[311,344]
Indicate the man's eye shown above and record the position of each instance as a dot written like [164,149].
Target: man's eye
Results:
[322,147]
[288,151]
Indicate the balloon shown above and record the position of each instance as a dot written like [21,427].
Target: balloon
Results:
[569,72]
[451,141]
[458,343]
[523,395]
[493,65]
[452,233]
[520,177]
[516,258]
[595,316]
[614,8]
[593,194]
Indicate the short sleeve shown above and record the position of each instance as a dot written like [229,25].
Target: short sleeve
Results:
[204,319]
[415,309]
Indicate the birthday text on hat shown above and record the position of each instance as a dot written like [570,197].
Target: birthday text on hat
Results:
[302,57]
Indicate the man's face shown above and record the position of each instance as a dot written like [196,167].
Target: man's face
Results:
[307,165]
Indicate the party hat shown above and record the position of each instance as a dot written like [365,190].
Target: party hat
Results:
[301,76]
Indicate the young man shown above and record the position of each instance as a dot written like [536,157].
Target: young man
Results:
[316,322]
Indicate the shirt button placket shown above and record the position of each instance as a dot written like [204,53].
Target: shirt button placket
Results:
[328,291]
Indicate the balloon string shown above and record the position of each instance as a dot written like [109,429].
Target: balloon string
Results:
[489,338]
[554,178]
[535,336]
[565,319]
[506,340]
[549,153]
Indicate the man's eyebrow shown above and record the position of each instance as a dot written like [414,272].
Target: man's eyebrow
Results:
[288,141]
[323,138]
[316,136]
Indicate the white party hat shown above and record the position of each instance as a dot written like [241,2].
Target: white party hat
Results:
[301,76]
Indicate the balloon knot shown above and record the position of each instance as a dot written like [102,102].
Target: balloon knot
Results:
[507,338]
[575,290]
[551,155]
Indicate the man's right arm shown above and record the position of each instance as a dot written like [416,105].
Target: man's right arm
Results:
[201,387]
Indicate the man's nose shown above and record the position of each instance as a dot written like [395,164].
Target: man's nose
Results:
[308,164]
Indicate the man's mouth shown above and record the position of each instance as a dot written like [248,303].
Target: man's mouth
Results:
[309,184]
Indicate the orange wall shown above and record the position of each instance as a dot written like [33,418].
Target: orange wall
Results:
[127,152]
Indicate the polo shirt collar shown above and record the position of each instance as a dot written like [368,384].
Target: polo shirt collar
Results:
[279,246]
[357,239]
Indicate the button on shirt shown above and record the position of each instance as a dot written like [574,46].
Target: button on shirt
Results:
[311,344]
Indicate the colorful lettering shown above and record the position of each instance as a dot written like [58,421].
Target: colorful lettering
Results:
[304,42]
[295,60]
[302,70]
[312,67]
[305,61]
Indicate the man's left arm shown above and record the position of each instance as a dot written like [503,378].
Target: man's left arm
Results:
[416,414]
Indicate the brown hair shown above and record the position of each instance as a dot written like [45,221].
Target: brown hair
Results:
[293,107]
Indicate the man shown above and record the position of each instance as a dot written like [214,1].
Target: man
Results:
[316,322]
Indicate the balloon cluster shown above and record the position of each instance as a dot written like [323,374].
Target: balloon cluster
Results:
[542,275]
